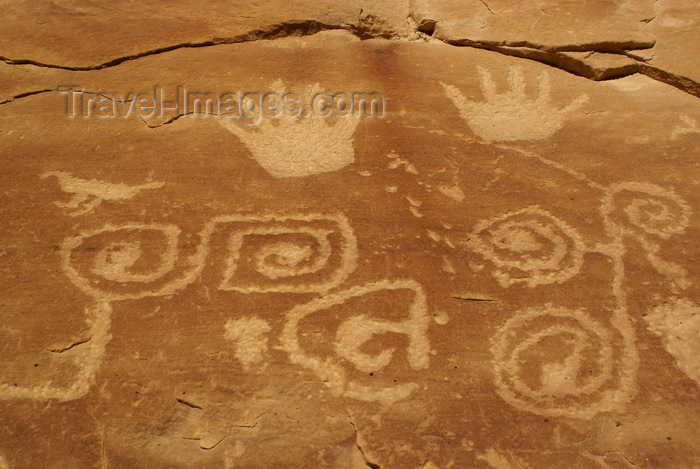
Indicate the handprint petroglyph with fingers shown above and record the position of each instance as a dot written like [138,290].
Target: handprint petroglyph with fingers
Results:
[297,146]
[512,115]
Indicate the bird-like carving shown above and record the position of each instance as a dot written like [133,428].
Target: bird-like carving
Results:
[89,193]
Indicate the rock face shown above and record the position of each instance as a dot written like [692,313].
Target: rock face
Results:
[349,235]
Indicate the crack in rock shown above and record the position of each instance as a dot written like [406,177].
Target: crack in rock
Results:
[560,57]
[204,447]
[488,7]
[466,298]
[369,464]
[65,349]
[554,56]
[189,404]
[25,94]
[275,31]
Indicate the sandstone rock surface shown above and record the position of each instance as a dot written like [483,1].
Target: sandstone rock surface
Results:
[498,268]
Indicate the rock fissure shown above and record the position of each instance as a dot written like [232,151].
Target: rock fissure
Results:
[75,344]
[188,404]
[25,94]
[369,464]
[554,56]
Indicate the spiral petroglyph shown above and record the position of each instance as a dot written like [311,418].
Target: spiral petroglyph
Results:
[558,361]
[267,253]
[648,212]
[295,255]
[642,209]
[121,261]
[530,247]
[289,253]
[354,333]
[349,235]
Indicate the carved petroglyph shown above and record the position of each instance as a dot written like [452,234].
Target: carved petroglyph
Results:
[295,253]
[297,146]
[88,194]
[678,325]
[512,115]
[250,342]
[558,361]
[282,260]
[646,211]
[115,260]
[110,263]
[529,246]
[279,264]
[285,265]
[396,162]
[356,331]
[642,209]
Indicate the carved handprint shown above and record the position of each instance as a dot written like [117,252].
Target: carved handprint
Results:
[512,115]
[297,146]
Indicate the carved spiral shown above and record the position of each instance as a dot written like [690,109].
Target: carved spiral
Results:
[645,209]
[556,361]
[121,261]
[529,246]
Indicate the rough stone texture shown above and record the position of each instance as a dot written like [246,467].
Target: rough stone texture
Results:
[558,24]
[91,35]
[598,39]
[501,272]
[676,52]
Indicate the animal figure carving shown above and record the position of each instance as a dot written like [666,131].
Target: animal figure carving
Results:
[89,193]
